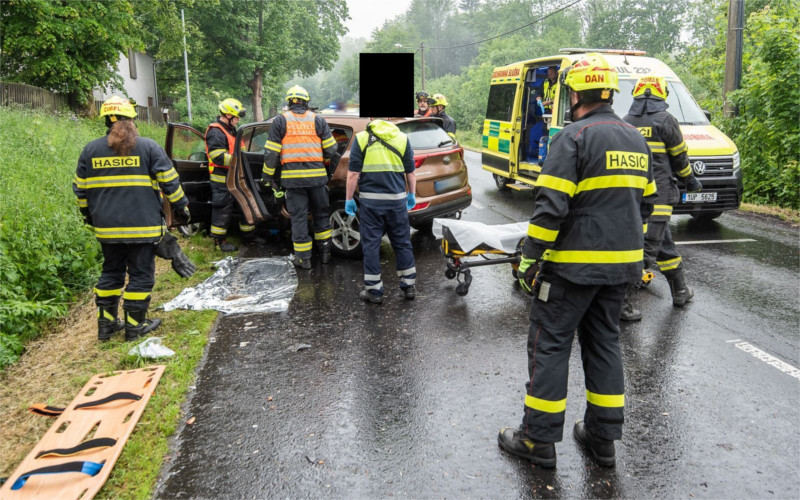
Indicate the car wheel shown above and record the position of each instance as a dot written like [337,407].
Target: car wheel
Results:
[707,216]
[501,182]
[345,236]
[190,229]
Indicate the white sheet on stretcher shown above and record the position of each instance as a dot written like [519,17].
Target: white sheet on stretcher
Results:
[470,235]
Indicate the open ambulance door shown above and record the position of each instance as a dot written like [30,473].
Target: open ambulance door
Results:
[186,147]
[499,148]
[244,178]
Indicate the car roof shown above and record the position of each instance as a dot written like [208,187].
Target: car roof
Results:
[358,123]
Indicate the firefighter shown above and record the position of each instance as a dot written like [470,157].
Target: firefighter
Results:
[422,104]
[298,143]
[117,184]
[382,167]
[438,103]
[220,137]
[660,129]
[585,239]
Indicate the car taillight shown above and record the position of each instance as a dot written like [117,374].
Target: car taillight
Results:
[418,161]
[420,206]
[461,153]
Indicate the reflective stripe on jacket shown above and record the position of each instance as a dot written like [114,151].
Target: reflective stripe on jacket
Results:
[593,196]
[123,193]
[218,157]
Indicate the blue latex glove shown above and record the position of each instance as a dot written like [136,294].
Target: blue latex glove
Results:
[350,207]
[411,201]
[527,273]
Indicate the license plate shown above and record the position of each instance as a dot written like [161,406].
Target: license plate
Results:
[447,185]
[699,197]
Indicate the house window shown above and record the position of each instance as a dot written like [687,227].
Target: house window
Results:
[132,63]
[150,102]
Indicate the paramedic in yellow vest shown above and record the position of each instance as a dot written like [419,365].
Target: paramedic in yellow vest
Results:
[120,181]
[220,137]
[549,89]
[299,141]
[594,193]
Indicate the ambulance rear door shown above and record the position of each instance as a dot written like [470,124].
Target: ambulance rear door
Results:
[499,145]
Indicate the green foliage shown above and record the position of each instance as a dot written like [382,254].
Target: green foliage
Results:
[650,25]
[68,47]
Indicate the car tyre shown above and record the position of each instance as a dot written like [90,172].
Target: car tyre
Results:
[188,230]
[502,182]
[706,216]
[345,236]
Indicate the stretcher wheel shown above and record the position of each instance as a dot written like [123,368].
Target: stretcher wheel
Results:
[450,274]
[462,289]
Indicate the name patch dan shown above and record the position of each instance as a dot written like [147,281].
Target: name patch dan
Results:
[115,162]
[626,159]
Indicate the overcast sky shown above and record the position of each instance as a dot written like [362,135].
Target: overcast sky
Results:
[366,15]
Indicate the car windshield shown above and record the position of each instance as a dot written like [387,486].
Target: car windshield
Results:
[425,134]
[681,104]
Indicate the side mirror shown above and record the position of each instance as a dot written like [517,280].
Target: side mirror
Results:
[708,114]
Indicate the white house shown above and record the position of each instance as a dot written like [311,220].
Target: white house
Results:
[139,80]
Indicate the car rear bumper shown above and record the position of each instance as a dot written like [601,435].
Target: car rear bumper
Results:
[444,209]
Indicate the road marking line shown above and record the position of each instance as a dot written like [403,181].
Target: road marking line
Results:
[734,340]
[706,242]
[477,205]
[769,359]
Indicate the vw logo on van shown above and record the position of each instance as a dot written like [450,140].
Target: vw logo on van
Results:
[699,167]
[446,160]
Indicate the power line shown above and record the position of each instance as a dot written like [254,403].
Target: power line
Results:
[512,31]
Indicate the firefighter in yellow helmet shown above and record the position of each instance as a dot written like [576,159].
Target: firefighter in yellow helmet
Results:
[220,137]
[585,239]
[298,144]
[120,181]
[663,134]
[438,103]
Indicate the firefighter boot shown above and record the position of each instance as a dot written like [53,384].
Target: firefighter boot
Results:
[681,294]
[107,322]
[629,313]
[516,442]
[224,246]
[602,450]
[325,252]
[137,324]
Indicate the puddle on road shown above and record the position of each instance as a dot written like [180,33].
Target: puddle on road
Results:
[242,286]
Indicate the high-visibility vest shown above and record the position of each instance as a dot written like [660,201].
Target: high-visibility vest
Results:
[231,141]
[301,142]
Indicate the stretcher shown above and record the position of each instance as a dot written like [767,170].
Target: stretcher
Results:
[75,456]
[466,245]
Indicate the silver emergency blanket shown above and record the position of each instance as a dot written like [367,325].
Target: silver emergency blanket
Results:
[242,286]
[470,235]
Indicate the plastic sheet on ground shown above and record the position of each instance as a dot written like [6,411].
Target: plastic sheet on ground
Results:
[470,235]
[152,348]
[242,286]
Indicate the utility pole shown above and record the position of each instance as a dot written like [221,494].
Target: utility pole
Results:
[422,52]
[733,55]
[186,70]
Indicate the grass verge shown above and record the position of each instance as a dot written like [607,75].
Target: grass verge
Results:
[57,365]
[785,214]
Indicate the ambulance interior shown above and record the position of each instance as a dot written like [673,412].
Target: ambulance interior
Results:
[534,120]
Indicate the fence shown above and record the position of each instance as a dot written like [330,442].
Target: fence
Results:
[28,95]
[151,114]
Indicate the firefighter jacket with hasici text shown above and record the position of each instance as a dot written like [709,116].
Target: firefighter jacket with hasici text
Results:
[593,198]
[670,153]
[123,194]
[298,143]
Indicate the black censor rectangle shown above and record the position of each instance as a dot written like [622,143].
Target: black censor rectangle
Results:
[386,84]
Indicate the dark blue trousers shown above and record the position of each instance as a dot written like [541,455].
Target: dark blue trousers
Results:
[394,222]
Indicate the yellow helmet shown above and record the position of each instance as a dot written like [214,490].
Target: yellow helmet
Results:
[438,100]
[591,72]
[232,107]
[117,106]
[657,85]
[297,92]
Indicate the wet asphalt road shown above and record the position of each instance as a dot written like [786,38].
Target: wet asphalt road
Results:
[406,399]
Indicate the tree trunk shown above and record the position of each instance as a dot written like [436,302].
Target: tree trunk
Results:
[256,87]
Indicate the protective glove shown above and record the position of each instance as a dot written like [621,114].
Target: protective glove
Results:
[527,273]
[169,249]
[350,207]
[182,216]
[693,185]
[411,201]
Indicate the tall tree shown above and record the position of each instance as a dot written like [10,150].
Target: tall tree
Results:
[69,47]
[263,43]
[650,25]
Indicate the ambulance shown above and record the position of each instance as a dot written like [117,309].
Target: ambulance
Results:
[517,128]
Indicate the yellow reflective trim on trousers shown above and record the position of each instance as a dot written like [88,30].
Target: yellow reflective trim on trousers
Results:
[310,172]
[267,170]
[644,227]
[118,181]
[176,196]
[274,146]
[246,228]
[545,405]
[135,295]
[542,233]
[662,210]
[593,256]
[105,314]
[82,202]
[129,319]
[219,231]
[167,176]
[557,184]
[128,232]
[668,265]
[330,141]
[606,400]
[324,235]
[302,247]
[218,178]
[680,148]
[612,181]
[657,146]
[686,172]
[650,189]
[108,293]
